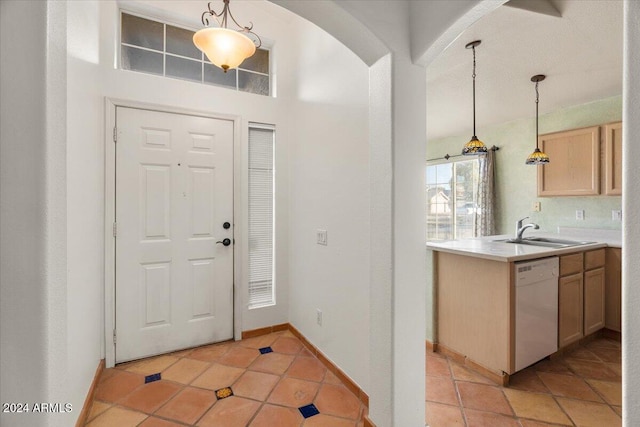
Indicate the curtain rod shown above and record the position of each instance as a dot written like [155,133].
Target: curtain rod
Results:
[447,156]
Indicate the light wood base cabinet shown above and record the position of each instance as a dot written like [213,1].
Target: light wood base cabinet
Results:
[475,301]
[570,301]
[581,295]
[593,300]
[613,289]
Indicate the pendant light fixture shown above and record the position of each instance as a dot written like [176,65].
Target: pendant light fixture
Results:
[537,157]
[474,146]
[225,48]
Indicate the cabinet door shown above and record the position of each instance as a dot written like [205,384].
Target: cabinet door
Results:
[574,169]
[593,300]
[570,302]
[613,159]
[612,295]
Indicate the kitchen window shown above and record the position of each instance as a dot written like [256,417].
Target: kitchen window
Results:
[154,47]
[452,199]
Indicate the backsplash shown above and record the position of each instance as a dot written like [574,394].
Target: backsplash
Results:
[516,185]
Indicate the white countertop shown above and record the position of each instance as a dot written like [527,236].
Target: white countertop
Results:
[488,248]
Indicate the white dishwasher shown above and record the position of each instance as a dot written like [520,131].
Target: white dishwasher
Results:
[536,310]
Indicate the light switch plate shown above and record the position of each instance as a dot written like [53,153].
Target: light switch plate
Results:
[580,214]
[537,206]
[321,237]
[616,215]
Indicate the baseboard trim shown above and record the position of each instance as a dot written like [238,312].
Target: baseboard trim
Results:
[611,334]
[344,378]
[252,333]
[88,401]
[430,347]
[500,378]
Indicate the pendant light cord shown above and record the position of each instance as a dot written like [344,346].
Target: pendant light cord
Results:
[473,76]
[537,100]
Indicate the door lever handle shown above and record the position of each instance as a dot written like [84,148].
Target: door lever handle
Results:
[225,242]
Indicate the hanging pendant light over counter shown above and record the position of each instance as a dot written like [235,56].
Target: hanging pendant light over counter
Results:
[225,48]
[474,146]
[537,157]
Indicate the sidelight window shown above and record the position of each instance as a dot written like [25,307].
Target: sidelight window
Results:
[261,216]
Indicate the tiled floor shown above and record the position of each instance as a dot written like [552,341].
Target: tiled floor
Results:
[267,389]
[581,388]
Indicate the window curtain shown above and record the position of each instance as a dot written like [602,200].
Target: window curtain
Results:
[485,218]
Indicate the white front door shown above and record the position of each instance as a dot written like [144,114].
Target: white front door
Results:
[174,194]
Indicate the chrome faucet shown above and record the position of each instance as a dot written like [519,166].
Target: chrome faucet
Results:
[520,228]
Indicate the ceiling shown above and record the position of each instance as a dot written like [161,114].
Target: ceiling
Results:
[579,52]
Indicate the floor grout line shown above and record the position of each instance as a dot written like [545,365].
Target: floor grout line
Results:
[533,387]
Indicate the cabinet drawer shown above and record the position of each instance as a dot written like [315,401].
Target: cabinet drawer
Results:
[571,264]
[594,259]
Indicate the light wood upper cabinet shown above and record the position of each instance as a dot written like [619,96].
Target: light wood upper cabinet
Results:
[613,159]
[574,167]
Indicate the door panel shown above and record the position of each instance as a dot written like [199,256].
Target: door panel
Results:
[594,300]
[174,190]
[570,312]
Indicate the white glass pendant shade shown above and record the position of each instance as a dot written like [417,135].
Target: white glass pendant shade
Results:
[225,48]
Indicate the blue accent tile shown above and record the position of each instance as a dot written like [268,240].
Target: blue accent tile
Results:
[265,350]
[151,378]
[308,410]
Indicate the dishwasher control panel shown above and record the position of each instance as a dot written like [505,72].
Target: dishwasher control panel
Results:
[533,271]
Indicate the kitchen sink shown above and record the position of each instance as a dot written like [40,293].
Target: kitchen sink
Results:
[545,241]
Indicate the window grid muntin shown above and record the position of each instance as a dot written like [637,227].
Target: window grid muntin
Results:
[202,56]
[453,222]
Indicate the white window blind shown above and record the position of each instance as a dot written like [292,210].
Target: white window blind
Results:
[261,208]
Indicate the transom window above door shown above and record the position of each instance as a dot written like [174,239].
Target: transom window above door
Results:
[155,47]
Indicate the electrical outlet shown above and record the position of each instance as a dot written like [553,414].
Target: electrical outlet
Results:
[616,215]
[537,207]
[580,214]
[319,316]
[321,237]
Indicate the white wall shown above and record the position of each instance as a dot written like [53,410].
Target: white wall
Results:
[329,189]
[85,199]
[631,219]
[92,32]
[32,212]
[320,114]
[29,208]
[398,273]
